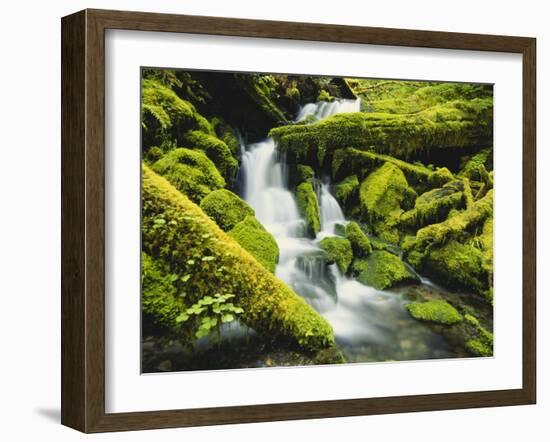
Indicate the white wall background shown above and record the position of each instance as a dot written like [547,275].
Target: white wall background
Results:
[30,216]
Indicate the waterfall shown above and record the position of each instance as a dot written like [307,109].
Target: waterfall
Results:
[358,314]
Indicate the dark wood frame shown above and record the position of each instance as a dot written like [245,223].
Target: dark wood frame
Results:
[83,215]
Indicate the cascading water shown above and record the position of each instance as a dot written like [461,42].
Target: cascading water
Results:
[368,324]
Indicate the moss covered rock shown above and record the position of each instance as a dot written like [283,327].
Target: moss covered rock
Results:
[438,311]
[165,117]
[226,208]
[360,243]
[457,264]
[337,250]
[383,196]
[191,172]
[382,270]
[204,260]
[309,207]
[482,343]
[261,244]
[215,149]
[347,191]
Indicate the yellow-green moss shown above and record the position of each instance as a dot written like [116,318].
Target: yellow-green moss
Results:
[457,226]
[479,348]
[453,125]
[457,264]
[347,191]
[383,195]
[309,207]
[261,244]
[476,166]
[165,117]
[438,311]
[433,206]
[360,243]
[191,172]
[226,133]
[304,173]
[215,149]
[226,208]
[177,232]
[382,270]
[337,250]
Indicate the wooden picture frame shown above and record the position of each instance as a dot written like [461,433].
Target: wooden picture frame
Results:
[83,220]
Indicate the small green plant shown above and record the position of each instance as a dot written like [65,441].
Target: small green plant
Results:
[209,313]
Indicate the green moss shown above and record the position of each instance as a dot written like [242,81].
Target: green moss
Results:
[360,244]
[154,154]
[457,265]
[215,149]
[337,250]
[304,173]
[440,177]
[454,125]
[226,133]
[361,163]
[476,167]
[324,96]
[309,207]
[226,208]
[382,270]
[433,206]
[159,294]
[165,117]
[208,261]
[261,244]
[347,191]
[458,226]
[191,172]
[436,310]
[383,195]
[478,348]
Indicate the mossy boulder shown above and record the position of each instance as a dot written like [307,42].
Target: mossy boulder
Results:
[226,133]
[309,207]
[304,173]
[482,343]
[382,270]
[203,260]
[165,117]
[477,166]
[191,172]
[337,250]
[383,196]
[457,264]
[254,238]
[438,311]
[215,149]
[360,243]
[226,208]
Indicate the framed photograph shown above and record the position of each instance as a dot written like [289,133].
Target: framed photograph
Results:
[268,220]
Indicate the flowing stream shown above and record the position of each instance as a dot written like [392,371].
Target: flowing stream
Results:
[369,324]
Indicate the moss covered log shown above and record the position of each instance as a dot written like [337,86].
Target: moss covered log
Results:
[452,126]
[204,261]
[261,244]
